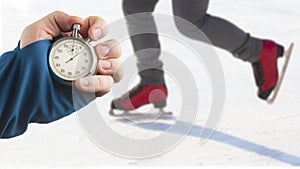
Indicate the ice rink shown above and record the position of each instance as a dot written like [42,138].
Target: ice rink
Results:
[249,132]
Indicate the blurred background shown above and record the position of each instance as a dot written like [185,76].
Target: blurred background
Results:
[250,133]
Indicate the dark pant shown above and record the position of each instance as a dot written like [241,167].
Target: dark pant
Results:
[220,32]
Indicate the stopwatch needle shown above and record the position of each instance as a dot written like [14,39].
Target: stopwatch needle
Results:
[74,56]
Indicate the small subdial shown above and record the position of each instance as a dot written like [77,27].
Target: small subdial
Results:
[72,48]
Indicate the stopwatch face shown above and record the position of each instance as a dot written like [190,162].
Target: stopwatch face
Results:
[71,59]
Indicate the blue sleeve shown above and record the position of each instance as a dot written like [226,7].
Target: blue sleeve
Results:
[28,92]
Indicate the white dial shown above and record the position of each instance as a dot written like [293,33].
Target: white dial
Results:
[72,58]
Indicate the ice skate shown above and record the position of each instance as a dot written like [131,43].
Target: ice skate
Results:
[267,78]
[139,96]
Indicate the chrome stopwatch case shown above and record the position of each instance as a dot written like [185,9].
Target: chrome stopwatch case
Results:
[72,57]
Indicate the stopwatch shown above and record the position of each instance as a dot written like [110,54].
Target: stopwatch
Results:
[72,58]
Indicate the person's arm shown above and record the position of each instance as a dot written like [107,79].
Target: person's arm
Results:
[27,90]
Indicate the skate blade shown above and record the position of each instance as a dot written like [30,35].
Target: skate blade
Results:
[287,56]
[137,116]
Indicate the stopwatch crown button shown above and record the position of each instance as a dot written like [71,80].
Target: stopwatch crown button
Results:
[76,26]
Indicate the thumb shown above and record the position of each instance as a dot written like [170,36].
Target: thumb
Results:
[58,22]
[48,27]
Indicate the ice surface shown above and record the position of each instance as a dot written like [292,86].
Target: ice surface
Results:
[250,132]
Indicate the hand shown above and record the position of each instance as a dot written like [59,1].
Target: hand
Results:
[108,53]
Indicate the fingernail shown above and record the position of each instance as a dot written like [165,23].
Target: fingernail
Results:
[105,64]
[97,33]
[104,50]
[84,82]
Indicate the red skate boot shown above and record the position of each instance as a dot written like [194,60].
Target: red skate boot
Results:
[141,95]
[266,70]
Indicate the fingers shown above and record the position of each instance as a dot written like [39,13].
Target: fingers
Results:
[57,22]
[108,54]
[95,84]
[111,67]
[94,27]
[108,49]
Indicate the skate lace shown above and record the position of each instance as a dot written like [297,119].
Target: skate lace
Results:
[258,73]
[134,91]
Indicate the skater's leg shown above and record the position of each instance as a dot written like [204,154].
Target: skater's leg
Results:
[220,32]
[151,89]
[262,54]
[149,65]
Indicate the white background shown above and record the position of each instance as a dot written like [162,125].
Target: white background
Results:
[250,133]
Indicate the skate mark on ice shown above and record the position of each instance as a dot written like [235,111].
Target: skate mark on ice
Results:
[230,140]
[143,118]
